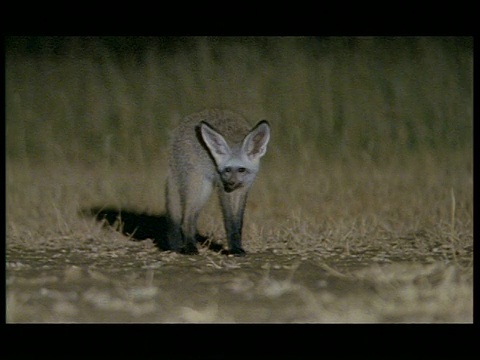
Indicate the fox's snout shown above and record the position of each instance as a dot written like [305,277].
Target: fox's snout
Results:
[233,177]
[231,185]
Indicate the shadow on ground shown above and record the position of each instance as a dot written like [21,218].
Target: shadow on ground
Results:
[141,226]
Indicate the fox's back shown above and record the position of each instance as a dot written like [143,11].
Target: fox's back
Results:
[187,150]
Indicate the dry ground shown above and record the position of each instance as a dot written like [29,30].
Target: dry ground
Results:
[326,241]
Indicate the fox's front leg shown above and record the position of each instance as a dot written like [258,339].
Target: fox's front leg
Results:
[193,197]
[174,215]
[233,207]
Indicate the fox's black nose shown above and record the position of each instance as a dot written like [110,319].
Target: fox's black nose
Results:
[229,186]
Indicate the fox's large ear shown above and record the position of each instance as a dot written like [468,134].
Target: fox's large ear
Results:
[255,143]
[215,142]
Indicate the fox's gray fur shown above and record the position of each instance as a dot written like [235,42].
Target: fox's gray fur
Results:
[212,149]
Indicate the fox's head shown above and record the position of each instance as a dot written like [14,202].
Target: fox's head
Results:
[237,164]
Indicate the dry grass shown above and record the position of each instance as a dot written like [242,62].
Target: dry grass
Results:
[377,249]
[289,207]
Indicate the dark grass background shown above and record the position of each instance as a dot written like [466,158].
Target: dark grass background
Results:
[94,99]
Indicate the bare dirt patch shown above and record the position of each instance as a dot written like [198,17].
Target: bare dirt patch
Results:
[146,285]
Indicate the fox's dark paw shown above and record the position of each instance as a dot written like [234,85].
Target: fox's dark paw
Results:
[237,252]
[189,249]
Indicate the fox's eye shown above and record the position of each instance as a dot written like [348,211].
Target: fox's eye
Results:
[241,169]
[228,169]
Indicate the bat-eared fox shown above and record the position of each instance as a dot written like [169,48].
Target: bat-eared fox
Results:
[213,149]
